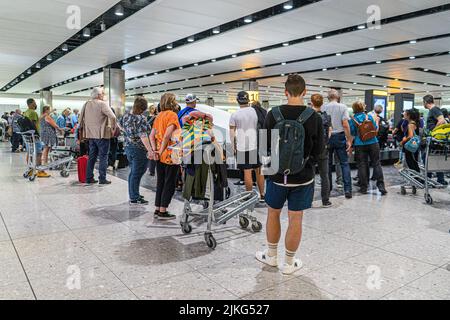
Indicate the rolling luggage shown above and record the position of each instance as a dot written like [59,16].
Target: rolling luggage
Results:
[82,168]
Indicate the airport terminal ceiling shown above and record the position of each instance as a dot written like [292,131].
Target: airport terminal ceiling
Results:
[212,47]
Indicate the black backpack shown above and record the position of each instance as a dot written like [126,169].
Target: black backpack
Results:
[291,149]
[326,122]
[25,124]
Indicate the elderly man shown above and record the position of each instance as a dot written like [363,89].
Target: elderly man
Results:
[97,123]
[340,140]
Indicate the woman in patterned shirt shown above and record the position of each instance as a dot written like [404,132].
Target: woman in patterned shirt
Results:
[137,147]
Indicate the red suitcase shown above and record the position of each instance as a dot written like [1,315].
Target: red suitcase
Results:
[82,168]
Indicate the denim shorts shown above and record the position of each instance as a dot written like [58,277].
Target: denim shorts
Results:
[39,146]
[298,198]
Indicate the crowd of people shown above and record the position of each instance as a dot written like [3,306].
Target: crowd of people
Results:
[301,138]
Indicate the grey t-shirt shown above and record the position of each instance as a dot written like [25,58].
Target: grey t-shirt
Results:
[338,113]
[246,122]
[433,116]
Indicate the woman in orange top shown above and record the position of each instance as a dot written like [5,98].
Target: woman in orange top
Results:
[162,139]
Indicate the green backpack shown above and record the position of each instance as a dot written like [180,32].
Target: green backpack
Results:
[291,144]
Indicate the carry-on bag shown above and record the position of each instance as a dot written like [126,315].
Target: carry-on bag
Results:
[82,168]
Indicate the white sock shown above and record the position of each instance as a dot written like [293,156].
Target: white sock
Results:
[273,249]
[290,256]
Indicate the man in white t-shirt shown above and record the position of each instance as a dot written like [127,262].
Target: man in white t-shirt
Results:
[244,142]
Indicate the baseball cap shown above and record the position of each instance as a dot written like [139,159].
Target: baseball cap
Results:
[243,97]
[191,98]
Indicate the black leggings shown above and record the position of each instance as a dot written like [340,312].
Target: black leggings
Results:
[166,183]
[412,160]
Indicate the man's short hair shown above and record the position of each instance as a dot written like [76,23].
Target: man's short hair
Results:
[317,100]
[30,101]
[378,108]
[96,92]
[428,99]
[295,85]
[333,94]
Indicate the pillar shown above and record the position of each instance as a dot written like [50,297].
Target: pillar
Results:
[46,99]
[210,102]
[114,80]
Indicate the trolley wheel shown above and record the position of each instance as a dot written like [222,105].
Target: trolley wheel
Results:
[244,222]
[428,199]
[64,174]
[27,174]
[414,190]
[32,177]
[257,226]
[403,191]
[186,228]
[210,241]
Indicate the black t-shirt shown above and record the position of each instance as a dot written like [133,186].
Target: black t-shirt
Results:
[314,142]
[433,116]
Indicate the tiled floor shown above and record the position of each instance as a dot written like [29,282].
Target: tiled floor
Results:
[62,240]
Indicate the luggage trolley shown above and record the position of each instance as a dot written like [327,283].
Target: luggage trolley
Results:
[63,164]
[241,205]
[437,160]
[67,146]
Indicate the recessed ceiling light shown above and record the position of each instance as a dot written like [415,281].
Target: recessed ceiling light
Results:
[195,64]
[96,71]
[169,46]
[216,30]
[331,80]
[448,74]
[282,74]
[155,73]
[102,26]
[378,62]
[191,39]
[212,75]
[38,65]
[412,58]
[86,32]
[413,42]
[355,83]
[137,57]
[124,61]
[371,49]
[234,56]
[22,76]
[338,54]
[288,5]
[180,68]
[285,44]
[243,70]
[248,19]
[49,57]
[213,60]
[153,52]
[361,26]
[119,11]
[324,69]
[257,50]
[65,47]
[283,63]
[425,84]
[319,36]
[167,70]
[426,70]
[373,76]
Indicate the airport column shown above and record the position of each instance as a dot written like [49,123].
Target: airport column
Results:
[114,79]
[210,102]
[46,99]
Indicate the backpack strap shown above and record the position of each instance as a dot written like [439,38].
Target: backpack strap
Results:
[277,114]
[357,123]
[308,113]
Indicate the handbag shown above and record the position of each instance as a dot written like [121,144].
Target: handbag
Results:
[413,144]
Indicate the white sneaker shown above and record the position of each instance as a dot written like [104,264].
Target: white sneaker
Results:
[292,268]
[263,257]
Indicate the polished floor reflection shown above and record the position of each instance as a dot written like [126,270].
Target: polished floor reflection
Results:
[62,240]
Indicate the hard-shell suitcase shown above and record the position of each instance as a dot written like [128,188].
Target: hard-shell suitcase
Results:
[82,168]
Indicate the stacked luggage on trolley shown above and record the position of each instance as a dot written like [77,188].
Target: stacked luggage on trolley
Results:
[437,159]
[205,181]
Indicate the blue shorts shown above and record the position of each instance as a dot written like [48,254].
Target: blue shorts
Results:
[39,146]
[298,198]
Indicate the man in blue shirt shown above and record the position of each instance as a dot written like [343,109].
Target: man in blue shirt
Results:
[191,104]
[74,118]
